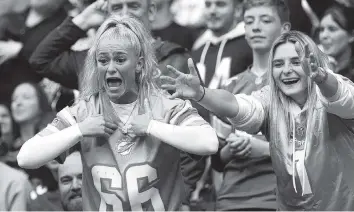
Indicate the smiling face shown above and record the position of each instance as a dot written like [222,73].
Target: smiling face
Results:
[334,39]
[118,62]
[25,103]
[288,73]
[262,27]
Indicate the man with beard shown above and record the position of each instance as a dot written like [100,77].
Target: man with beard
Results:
[70,182]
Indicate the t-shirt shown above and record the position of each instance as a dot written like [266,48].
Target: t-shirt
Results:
[129,172]
[248,183]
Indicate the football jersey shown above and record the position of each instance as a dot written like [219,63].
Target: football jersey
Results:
[129,172]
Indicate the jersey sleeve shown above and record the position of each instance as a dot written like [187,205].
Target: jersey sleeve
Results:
[64,119]
[184,114]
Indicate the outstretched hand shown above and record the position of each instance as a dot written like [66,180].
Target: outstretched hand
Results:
[185,86]
[309,64]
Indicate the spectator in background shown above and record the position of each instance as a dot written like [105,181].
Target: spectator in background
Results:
[337,36]
[249,181]
[70,182]
[166,28]
[20,33]
[31,113]
[221,51]
[189,13]
[14,189]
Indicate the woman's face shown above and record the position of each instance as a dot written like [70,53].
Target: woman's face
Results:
[25,103]
[119,64]
[5,120]
[334,39]
[288,73]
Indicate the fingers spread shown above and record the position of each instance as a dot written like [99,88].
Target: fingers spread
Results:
[192,68]
[167,79]
[174,70]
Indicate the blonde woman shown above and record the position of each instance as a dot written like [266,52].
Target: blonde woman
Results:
[130,143]
[306,99]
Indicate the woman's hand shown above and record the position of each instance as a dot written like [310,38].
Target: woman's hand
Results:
[97,126]
[140,124]
[309,64]
[185,86]
[239,146]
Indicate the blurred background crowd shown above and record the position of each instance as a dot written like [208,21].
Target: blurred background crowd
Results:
[207,29]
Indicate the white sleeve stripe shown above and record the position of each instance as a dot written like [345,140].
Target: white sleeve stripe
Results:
[67,116]
[191,120]
[52,128]
[184,109]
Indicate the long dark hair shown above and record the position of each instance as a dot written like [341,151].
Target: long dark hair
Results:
[47,114]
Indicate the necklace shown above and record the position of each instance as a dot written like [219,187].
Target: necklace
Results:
[125,128]
[124,144]
[259,77]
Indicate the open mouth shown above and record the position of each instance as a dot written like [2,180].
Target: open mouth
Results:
[290,81]
[77,196]
[114,82]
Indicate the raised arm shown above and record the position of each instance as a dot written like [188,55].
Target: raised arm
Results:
[188,86]
[54,58]
[245,112]
[342,102]
[336,93]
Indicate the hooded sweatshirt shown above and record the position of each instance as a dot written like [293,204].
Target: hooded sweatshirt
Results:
[219,58]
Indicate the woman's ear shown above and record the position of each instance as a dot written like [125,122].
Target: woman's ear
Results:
[286,27]
[140,65]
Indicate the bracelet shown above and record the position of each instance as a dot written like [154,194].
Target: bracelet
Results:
[324,78]
[203,95]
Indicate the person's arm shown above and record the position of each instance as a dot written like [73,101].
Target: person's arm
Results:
[48,144]
[18,194]
[193,135]
[62,134]
[192,169]
[54,59]
[188,86]
[225,154]
[337,95]
[181,127]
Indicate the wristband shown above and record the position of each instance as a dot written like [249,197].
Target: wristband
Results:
[324,77]
[203,95]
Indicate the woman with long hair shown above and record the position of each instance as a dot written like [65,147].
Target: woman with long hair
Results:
[307,114]
[130,141]
[31,113]
[336,36]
